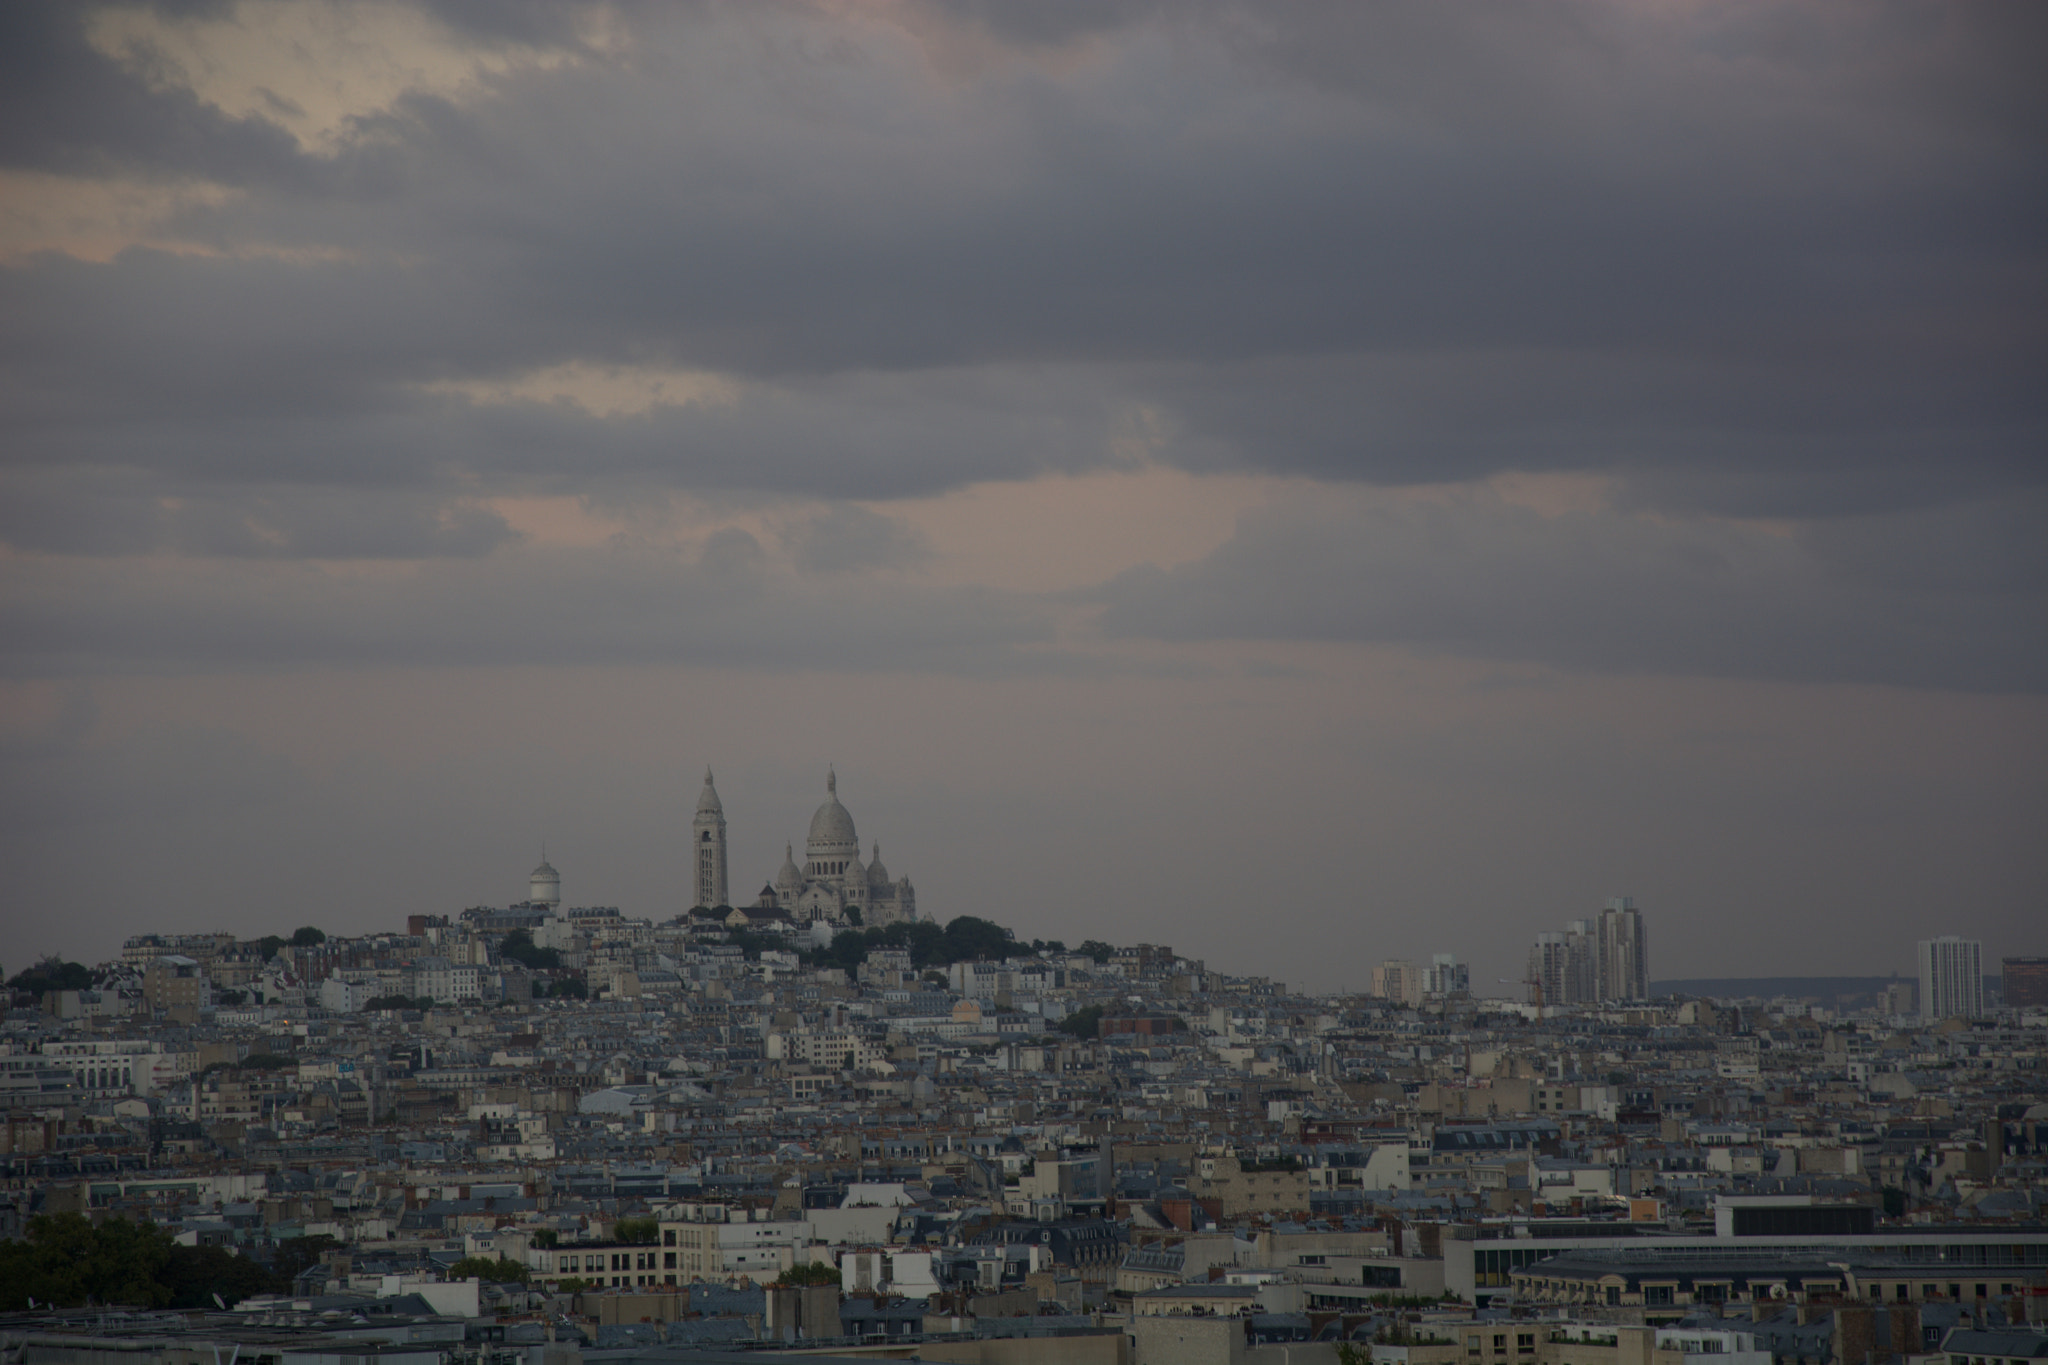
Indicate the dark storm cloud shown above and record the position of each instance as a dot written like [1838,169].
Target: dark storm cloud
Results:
[1951,599]
[1768,262]
[1712,251]
[66,108]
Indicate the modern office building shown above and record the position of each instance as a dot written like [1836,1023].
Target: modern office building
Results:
[2023,981]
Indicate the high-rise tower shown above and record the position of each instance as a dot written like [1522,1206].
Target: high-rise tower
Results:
[1951,977]
[707,835]
[1624,956]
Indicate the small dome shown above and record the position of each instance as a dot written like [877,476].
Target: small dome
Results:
[707,800]
[788,877]
[544,884]
[878,875]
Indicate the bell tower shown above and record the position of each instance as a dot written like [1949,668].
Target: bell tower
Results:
[707,837]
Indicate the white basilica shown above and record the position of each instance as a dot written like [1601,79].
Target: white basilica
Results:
[832,887]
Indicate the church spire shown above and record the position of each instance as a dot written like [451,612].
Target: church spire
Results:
[707,835]
[831,781]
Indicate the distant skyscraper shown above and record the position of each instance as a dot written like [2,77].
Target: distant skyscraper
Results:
[1550,970]
[1951,977]
[1593,960]
[1582,971]
[2023,981]
[1397,980]
[707,837]
[1624,954]
[1445,975]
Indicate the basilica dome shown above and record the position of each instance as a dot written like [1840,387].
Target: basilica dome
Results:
[832,833]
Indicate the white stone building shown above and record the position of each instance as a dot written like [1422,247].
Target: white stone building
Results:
[445,982]
[833,887]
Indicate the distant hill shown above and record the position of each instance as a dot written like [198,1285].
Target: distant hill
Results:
[1837,988]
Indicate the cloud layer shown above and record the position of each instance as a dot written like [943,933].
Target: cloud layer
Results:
[1572,348]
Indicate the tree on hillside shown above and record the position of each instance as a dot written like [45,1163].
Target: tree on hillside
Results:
[519,947]
[965,939]
[53,973]
[307,937]
[1097,949]
[971,939]
[1085,1022]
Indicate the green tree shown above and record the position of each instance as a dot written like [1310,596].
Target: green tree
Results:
[972,939]
[519,947]
[642,1230]
[196,1274]
[1097,949]
[65,1260]
[810,1272]
[545,1237]
[500,1271]
[53,973]
[965,939]
[268,946]
[295,1254]
[1085,1022]
[307,937]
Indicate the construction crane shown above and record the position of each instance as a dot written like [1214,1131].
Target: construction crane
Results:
[1534,981]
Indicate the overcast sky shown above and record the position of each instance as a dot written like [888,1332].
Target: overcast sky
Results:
[1306,483]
